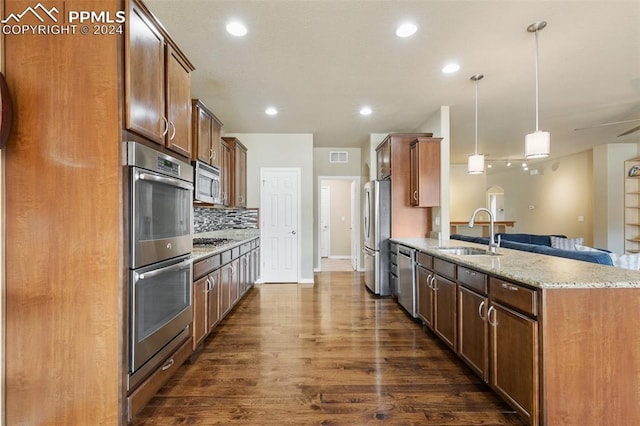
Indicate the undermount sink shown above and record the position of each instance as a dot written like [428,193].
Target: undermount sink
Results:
[465,251]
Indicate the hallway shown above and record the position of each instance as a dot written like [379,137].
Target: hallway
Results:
[324,354]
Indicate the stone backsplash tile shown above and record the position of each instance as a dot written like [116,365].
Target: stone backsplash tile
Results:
[206,219]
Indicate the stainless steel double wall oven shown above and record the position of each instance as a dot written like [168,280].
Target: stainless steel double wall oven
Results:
[160,264]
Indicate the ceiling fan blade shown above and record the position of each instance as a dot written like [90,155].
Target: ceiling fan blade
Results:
[609,124]
[628,132]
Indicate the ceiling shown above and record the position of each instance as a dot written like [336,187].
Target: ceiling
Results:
[318,62]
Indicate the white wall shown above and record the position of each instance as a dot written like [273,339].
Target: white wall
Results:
[551,201]
[608,194]
[467,193]
[438,124]
[323,168]
[284,150]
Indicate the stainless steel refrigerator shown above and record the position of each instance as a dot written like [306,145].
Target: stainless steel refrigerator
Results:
[377,230]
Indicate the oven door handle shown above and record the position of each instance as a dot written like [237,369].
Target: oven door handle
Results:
[166,180]
[157,272]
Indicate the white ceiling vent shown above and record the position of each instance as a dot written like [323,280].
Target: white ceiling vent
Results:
[338,157]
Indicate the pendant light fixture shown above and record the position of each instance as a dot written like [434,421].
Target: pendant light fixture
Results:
[538,143]
[475,165]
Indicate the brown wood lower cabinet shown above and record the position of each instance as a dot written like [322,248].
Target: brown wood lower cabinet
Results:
[445,310]
[473,331]
[213,299]
[425,295]
[220,282]
[565,355]
[514,359]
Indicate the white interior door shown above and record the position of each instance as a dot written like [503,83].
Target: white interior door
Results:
[355,235]
[280,208]
[325,221]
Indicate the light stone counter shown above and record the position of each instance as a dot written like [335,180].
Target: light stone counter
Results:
[238,237]
[537,270]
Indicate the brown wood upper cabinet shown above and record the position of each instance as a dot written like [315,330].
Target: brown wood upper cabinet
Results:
[207,129]
[383,157]
[158,83]
[424,183]
[393,155]
[235,181]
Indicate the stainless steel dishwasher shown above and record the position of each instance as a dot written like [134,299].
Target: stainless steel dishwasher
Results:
[406,280]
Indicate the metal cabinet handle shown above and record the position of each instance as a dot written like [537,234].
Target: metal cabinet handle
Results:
[173,131]
[168,365]
[208,288]
[480,311]
[491,323]
[213,155]
[415,195]
[434,283]
[165,126]
[509,287]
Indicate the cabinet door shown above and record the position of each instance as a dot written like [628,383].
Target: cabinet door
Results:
[225,173]
[425,296]
[202,133]
[178,84]
[444,315]
[240,177]
[225,290]
[213,300]
[199,328]
[383,157]
[425,173]
[514,359]
[235,281]
[144,77]
[473,331]
[413,176]
[215,154]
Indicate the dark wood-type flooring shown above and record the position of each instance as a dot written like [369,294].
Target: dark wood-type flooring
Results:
[328,354]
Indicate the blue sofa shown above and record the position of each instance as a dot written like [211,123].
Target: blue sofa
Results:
[540,244]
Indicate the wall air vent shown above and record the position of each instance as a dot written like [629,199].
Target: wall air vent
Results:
[338,157]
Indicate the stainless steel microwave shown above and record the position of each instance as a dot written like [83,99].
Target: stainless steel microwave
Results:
[207,181]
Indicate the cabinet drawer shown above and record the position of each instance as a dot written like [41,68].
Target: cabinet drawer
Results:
[245,248]
[138,399]
[203,267]
[514,295]
[472,279]
[235,252]
[444,268]
[225,257]
[425,260]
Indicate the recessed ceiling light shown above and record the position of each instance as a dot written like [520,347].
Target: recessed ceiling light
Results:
[271,111]
[406,30]
[451,68]
[365,110]
[236,28]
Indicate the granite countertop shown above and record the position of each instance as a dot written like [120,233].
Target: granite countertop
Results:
[236,236]
[537,270]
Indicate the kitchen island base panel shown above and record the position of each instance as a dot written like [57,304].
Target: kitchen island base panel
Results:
[591,356]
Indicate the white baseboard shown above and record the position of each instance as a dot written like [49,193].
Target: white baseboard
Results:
[339,257]
[317,270]
[306,281]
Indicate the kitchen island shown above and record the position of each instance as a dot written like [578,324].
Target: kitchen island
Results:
[556,338]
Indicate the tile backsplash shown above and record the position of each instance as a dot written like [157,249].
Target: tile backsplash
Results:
[206,219]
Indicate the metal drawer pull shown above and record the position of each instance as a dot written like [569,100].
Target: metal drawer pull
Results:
[168,365]
[480,311]
[509,287]
[492,323]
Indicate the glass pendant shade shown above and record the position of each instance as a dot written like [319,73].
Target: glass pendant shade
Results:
[537,144]
[475,166]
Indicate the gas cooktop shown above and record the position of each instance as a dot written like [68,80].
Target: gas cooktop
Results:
[211,242]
